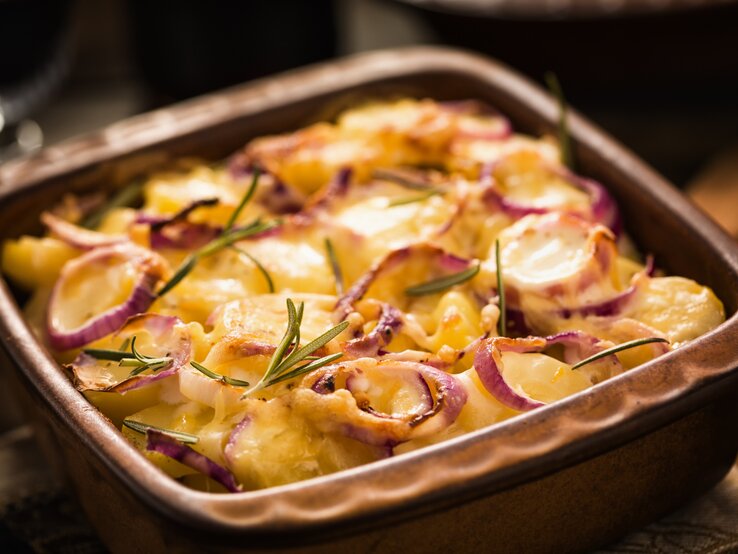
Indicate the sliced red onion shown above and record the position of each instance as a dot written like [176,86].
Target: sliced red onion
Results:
[163,444]
[151,270]
[579,345]
[441,398]
[171,338]
[79,237]
[615,305]
[489,367]
[446,261]
[602,206]
[337,188]
[388,325]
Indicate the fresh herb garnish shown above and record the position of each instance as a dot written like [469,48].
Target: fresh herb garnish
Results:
[184,212]
[218,377]
[142,428]
[258,265]
[439,285]
[618,348]
[125,197]
[563,128]
[141,363]
[413,199]
[138,361]
[225,240]
[337,274]
[501,323]
[282,365]
[244,201]
[404,179]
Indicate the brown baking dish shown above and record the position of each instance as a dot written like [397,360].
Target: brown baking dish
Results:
[567,477]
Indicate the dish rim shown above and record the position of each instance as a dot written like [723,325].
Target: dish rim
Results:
[525,447]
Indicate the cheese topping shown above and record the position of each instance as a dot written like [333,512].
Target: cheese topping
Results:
[360,319]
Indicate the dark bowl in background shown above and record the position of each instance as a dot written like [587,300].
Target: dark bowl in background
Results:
[187,47]
[661,76]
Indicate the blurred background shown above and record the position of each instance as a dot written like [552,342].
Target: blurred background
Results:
[659,75]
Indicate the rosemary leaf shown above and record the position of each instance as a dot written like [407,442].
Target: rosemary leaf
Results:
[223,241]
[244,201]
[412,199]
[182,272]
[501,322]
[404,179]
[184,212]
[618,348]
[337,274]
[282,368]
[111,355]
[301,353]
[307,368]
[218,377]
[259,266]
[439,285]
[127,196]
[142,428]
[563,128]
[286,342]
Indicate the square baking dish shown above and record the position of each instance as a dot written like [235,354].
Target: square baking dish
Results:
[567,477]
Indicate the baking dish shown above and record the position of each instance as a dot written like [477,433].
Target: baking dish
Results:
[569,476]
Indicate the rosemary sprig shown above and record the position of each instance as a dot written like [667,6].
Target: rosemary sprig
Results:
[244,200]
[405,179]
[141,363]
[618,348]
[412,199]
[218,377]
[282,365]
[563,128]
[184,212]
[138,361]
[223,241]
[337,274]
[501,322]
[258,265]
[127,196]
[439,285]
[142,428]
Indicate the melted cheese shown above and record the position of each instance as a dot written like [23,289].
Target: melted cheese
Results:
[559,268]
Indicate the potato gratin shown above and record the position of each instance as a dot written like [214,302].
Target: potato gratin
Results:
[346,293]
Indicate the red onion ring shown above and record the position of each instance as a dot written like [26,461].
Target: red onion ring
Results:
[602,206]
[388,325]
[489,367]
[358,420]
[169,332]
[79,237]
[169,447]
[615,305]
[151,268]
[442,259]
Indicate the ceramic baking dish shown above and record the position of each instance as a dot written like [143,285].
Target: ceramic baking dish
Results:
[569,476]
